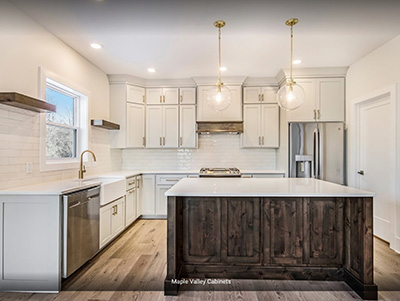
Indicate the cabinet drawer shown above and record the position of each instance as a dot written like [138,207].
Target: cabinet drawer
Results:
[169,179]
[130,183]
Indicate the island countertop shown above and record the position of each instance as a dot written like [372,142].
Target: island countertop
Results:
[256,187]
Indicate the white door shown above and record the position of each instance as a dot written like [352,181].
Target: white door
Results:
[187,126]
[161,203]
[135,94]
[154,96]
[105,225]
[251,95]
[118,217]
[148,194]
[138,196]
[376,157]
[270,125]
[154,126]
[330,95]
[306,111]
[187,96]
[268,95]
[171,96]
[135,125]
[171,128]
[130,206]
[251,136]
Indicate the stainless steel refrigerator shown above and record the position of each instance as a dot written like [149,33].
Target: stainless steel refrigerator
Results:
[317,150]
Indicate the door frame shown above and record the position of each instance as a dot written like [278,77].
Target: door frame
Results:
[375,98]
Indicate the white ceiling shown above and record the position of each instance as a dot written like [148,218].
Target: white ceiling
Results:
[179,40]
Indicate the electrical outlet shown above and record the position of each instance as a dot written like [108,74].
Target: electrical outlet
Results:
[28,167]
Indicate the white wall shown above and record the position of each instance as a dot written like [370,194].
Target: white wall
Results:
[376,71]
[26,46]
[215,150]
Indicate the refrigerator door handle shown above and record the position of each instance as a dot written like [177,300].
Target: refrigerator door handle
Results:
[319,154]
[315,160]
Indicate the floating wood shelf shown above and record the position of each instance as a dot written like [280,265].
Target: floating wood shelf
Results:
[220,127]
[104,124]
[25,102]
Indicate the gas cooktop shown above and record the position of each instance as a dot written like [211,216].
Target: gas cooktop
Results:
[220,172]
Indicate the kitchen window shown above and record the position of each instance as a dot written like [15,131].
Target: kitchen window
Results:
[64,133]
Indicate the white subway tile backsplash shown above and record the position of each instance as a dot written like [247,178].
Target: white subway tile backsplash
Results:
[215,150]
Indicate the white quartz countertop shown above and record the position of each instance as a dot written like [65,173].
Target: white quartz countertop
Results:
[264,187]
[71,185]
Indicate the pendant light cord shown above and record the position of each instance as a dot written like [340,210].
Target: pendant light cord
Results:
[219,59]
[291,54]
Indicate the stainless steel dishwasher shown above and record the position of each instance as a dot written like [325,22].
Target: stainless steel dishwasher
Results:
[81,211]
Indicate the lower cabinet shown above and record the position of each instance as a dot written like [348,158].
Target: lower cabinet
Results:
[161,199]
[148,197]
[112,220]
[138,196]
[130,206]
[267,231]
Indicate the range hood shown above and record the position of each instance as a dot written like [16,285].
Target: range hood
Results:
[235,127]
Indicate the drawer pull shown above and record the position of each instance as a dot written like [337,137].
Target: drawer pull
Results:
[172,180]
[131,183]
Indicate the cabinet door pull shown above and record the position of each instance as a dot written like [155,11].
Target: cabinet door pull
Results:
[259,97]
[131,183]
[259,140]
[181,98]
[160,140]
[262,99]
[163,98]
[181,141]
[262,140]
[144,141]
[144,99]
[315,114]
[131,191]
[163,139]
[171,180]
[318,114]
[160,98]
[113,210]
[116,209]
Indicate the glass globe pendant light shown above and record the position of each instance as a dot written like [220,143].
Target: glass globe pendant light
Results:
[219,97]
[291,95]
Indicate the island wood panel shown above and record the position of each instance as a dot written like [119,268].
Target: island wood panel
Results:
[241,230]
[325,227]
[201,229]
[283,231]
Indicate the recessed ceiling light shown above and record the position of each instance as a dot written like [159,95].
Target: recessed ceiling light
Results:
[151,70]
[296,62]
[223,69]
[96,46]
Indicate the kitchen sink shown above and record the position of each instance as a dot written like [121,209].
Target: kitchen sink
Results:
[110,189]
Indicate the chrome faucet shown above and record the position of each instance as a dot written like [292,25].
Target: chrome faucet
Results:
[82,167]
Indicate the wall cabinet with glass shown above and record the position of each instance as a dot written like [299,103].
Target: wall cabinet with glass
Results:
[260,126]
[324,100]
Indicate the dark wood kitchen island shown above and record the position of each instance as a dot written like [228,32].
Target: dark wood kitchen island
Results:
[284,229]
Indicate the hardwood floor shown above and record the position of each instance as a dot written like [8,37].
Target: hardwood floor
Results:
[133,268]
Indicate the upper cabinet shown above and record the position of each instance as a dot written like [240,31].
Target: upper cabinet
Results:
[187,96]
[162,126]
[259,95]
[187,126]
[232,113]
[127,109]
[157,96]
[324,100]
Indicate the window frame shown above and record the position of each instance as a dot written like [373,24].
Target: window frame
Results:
[81,98]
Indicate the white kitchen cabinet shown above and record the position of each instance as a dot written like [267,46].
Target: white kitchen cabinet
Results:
[259,95]
[187,96]
[261,126]
[135,94]
[127,109]
[161,200]
[187,126]
[324,100]
[206,112]
[135,133]
[130,206]
[157,96]
[138,196]
[112,220]
[148,196]
[162,126]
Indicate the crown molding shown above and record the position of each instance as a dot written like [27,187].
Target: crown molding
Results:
[325,72]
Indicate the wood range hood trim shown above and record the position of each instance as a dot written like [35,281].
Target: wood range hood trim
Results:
[22,101]
[104,124]
[220,127]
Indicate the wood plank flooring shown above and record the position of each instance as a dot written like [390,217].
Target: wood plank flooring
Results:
[133,268]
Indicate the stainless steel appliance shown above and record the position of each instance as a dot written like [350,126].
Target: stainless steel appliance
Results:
[317,150]
[220,172]
[81,212]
